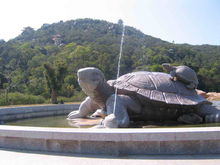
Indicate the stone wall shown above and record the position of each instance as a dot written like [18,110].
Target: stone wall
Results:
[16,113]
[157,141]
[113,141]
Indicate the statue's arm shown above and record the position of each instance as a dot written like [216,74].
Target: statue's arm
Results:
[173,73]
[86,107]
[119,117]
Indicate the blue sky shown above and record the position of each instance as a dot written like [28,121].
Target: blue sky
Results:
[184,21]
[181,21]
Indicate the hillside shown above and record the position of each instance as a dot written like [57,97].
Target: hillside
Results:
[86,42]
[83,31]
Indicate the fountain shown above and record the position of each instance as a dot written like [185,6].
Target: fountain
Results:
[158,141]
[123,141]
[119,63]
[203,140]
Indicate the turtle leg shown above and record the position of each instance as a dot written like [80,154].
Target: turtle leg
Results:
[99,113]
[86,107]
[190,118]
[173,75]
[119,117]
[211,114]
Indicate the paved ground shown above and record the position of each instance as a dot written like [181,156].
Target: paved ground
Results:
[14,157]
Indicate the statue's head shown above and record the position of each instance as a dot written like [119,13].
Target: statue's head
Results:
[168,67]
[89,79]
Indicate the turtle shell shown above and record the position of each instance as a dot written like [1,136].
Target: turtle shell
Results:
[158,87]
[186,74]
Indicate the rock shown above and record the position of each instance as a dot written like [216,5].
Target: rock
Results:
[202,93]
[213,96]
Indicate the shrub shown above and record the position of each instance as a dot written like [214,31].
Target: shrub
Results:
[19,98]
[78,96]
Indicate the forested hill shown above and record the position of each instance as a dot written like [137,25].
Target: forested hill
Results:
[84,31]
[86,42]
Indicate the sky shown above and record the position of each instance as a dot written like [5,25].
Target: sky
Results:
[182,21]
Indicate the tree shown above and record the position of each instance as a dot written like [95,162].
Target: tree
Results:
[27,33]
[96,43]
[120,22]
[54,78]
[2,80]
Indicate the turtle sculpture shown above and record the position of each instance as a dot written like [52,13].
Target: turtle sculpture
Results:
[183,73]
[150,96]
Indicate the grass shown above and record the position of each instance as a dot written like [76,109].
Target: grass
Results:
[20,99]
[26,105]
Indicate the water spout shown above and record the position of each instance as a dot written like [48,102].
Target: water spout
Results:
[119,64]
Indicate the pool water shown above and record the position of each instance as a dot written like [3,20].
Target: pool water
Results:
[61,122]
[52,121]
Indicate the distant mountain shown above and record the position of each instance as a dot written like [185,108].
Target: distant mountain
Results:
[87,42]
[84,31]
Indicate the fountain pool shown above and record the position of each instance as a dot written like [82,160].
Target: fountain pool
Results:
[61,122]
[196,140]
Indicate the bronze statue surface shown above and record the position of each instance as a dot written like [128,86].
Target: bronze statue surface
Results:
[149,96]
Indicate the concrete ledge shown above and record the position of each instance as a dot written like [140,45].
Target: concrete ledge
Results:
[150,141]
[113,141]
[16,113]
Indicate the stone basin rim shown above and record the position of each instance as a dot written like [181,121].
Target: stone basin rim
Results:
[91,134]
[129,141]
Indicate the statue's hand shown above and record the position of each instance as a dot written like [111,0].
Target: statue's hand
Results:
[75,114]
[110,121]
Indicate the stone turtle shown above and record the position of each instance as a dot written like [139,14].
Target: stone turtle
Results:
[141,96]
[183,73]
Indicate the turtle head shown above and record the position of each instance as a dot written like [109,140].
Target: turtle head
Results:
[89,79]
[168,67]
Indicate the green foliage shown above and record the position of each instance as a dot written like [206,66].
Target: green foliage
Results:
[78,96]
[54,78]
[19,98]
[95,43]
[50,77]
[156,68]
